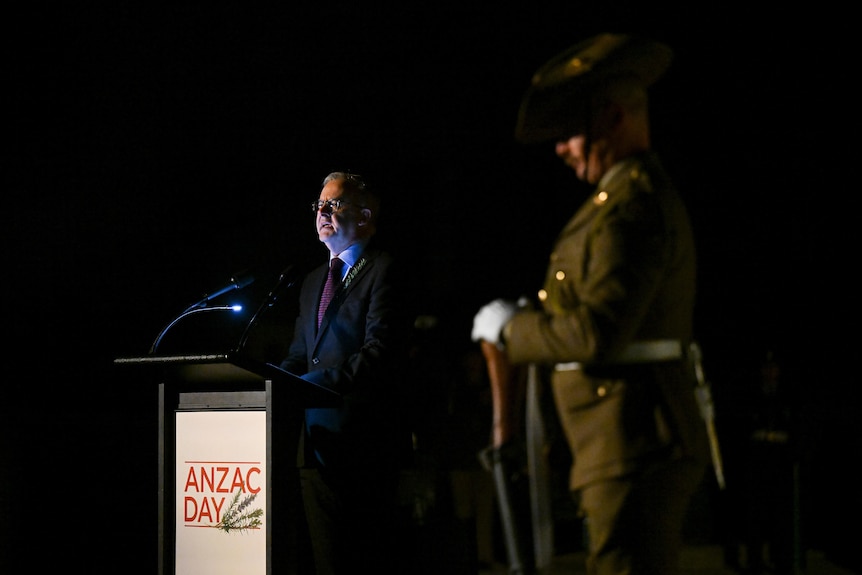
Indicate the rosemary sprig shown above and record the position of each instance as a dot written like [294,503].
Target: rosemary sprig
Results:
[236,518]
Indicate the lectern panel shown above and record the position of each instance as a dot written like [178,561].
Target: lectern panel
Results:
[222,400]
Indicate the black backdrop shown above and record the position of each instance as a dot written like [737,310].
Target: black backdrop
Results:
[154,152]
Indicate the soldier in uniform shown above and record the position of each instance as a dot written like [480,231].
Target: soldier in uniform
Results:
[615,315]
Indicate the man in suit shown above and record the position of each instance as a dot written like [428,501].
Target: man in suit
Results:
[615,314]
[350,454]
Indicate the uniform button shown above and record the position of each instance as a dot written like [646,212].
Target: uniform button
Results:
[601,391]
[560,275]
[600,198]
[315,360]
[543,295]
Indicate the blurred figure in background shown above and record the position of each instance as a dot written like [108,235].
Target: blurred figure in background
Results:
[771,477]
[468,432]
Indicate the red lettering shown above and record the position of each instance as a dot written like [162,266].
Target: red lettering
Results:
[221,489]
[205,510]
[237,480]
[194,508]
[207,480]
[195,512]
[248,486]
[218,506]
[191,480]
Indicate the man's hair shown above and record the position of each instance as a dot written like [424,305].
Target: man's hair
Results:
[358,190]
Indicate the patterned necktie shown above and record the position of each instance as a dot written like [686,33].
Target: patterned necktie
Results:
[332,281]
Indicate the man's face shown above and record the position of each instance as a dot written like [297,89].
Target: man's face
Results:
[574,154]
[586,161]
[588,157]
[338,227]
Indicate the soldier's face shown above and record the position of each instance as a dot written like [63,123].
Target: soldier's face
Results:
[574,154]
[590,157]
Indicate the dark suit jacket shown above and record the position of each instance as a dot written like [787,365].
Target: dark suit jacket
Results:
[622,271]
[360,352]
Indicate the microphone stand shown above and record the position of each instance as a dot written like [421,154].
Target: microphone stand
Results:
[268,302]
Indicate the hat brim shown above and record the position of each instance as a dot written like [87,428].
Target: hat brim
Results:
[556,104]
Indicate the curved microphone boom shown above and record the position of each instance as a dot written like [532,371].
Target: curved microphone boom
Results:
[237,281]
[187,313]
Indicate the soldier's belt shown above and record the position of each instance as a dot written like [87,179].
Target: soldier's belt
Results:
[649,351]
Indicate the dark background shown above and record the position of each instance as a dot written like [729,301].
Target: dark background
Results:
[155,152]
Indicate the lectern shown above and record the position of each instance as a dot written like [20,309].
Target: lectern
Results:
[227,479]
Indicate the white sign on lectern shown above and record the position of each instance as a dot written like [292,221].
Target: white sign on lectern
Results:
[220,492]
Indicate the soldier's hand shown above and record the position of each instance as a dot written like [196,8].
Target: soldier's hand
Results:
[488,323]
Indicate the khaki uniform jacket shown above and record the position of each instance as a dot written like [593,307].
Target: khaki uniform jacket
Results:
[622,271]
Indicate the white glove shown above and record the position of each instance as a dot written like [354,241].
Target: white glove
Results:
[488,323]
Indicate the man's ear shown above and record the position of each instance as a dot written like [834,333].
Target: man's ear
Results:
[365,217]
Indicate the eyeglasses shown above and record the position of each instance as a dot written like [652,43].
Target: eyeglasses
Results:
[333,205]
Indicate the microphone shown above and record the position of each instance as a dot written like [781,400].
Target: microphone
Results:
[280,284]
[237,281]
